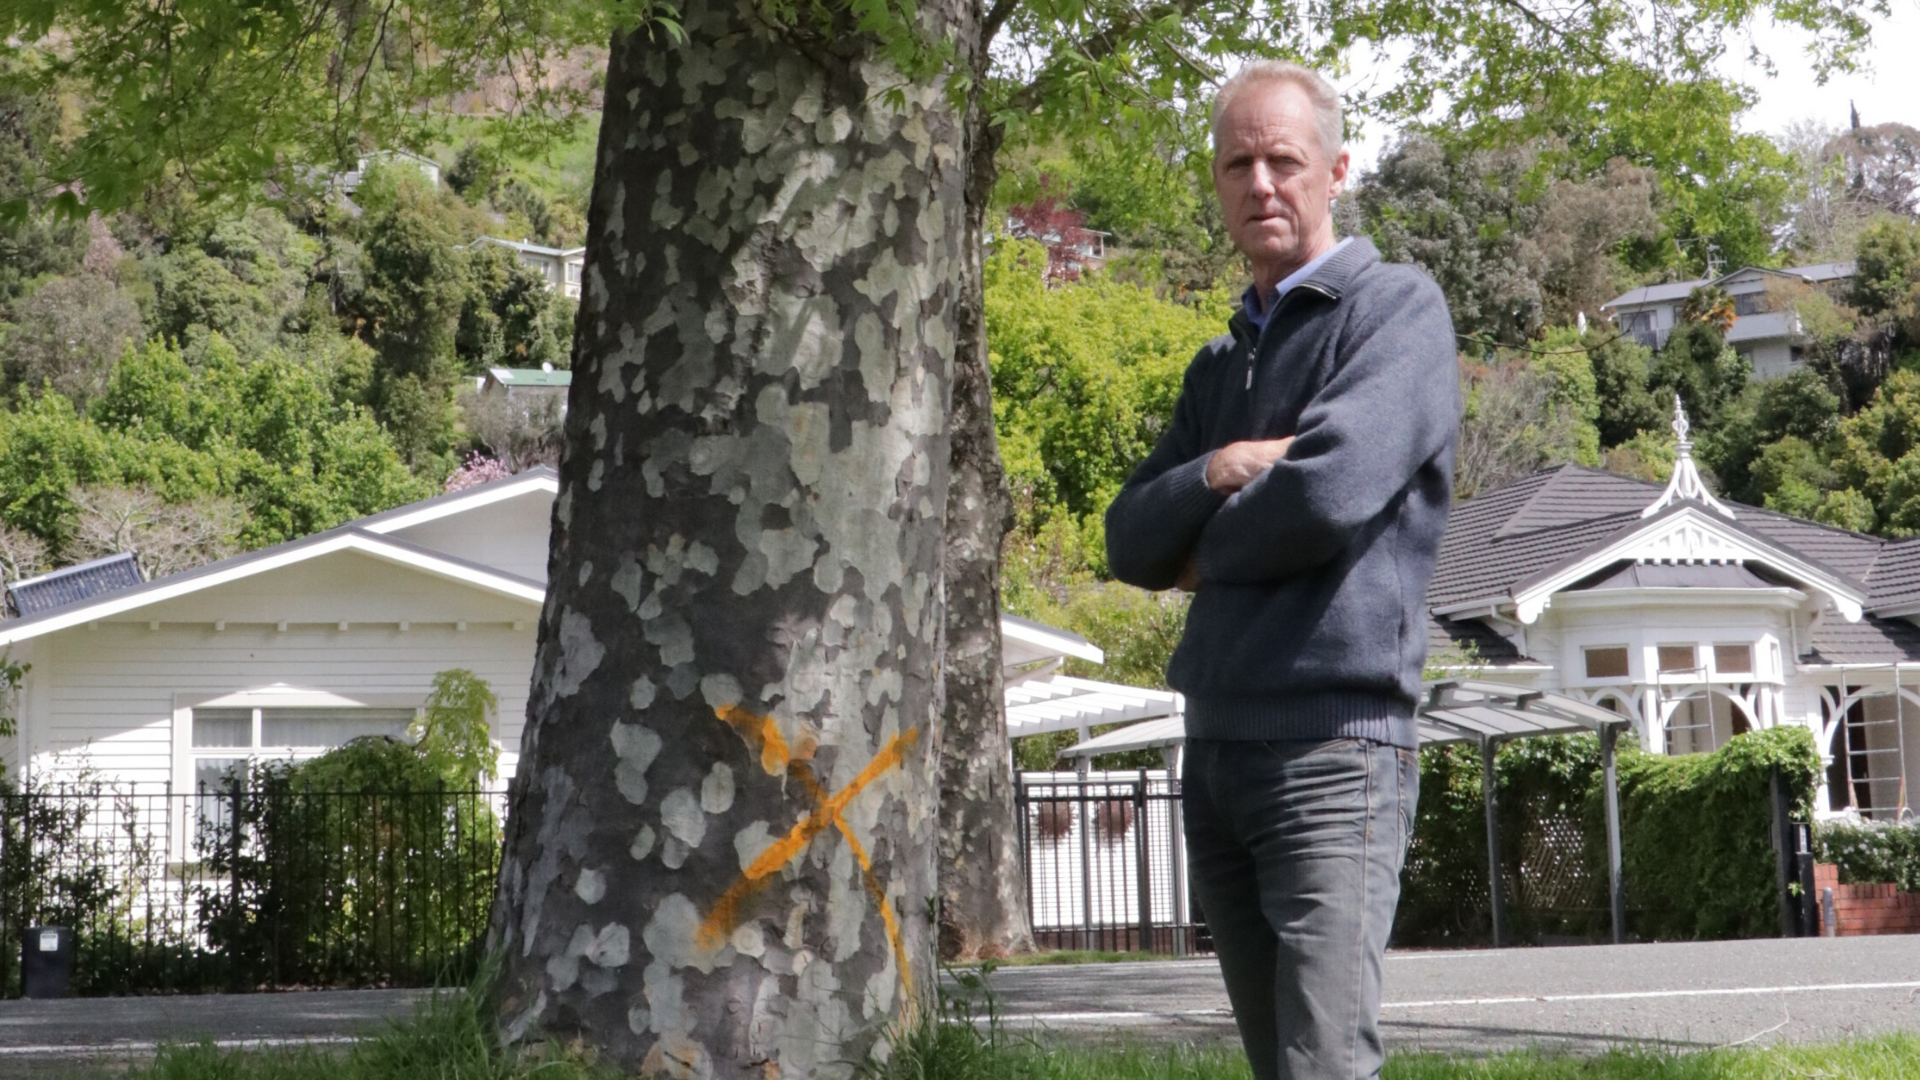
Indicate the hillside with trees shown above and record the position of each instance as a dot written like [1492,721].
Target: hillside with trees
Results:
[187,379]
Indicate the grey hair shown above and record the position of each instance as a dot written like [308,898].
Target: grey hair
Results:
[1328,115]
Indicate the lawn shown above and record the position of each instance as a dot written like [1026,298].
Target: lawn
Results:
[449,1040]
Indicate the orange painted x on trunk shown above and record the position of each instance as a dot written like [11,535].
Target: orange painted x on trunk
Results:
[764,738]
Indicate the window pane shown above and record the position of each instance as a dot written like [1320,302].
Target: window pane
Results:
[223,727]
[214,774]
[329,727]
[1733,659]
[1676,659]
[1607,663]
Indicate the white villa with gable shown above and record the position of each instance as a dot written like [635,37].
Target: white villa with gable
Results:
[1697,619]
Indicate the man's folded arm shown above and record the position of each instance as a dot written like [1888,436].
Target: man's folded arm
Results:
[1393,405]
[1153,523]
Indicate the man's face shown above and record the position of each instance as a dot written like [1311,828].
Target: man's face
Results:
[1275,181]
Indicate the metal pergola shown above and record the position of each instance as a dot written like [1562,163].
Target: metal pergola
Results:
[1475,711]
[1488,714]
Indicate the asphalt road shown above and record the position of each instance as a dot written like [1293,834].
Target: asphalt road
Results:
[1579,999]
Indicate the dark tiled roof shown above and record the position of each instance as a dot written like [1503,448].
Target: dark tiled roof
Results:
[1896,575]
[1482,557]
[1535,525]
[73,584]
[1496,540]
[1869,641]
[1455,638]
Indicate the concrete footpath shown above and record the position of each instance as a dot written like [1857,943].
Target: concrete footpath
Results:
[1580,999]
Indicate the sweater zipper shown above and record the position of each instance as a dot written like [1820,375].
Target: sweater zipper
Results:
[1278,304]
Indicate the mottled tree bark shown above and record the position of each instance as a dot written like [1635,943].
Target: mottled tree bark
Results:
[983,893]
[720,856]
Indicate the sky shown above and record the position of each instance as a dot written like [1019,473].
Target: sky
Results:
[1886,89]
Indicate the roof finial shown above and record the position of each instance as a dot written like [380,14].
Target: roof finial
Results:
[1686,483]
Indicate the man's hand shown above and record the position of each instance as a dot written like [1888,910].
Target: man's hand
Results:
[1234,465]
[1189,580]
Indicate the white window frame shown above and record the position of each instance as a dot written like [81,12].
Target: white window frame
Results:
[1606,680]
[186,755]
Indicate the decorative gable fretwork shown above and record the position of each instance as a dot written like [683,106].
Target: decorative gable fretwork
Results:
[1690,533]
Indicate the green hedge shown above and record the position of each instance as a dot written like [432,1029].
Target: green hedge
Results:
[1696,840]
[1870,852]
[1697,834]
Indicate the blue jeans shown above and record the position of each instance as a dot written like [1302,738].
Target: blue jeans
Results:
[1294,852]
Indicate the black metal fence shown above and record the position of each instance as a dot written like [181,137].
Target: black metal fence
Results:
[1104,861]
[249,887]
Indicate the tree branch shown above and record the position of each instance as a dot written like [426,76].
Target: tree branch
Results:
[1103,43]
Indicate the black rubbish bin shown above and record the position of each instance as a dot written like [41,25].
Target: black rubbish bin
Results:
[46,961]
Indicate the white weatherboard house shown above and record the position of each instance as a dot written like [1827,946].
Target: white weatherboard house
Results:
[291,650]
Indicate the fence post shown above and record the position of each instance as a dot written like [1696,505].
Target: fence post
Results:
[1085,821]
[1142,850]
[1023,826]
[1496,886]
[1782,851]
[1616,894]
[235,793]
[1803,866]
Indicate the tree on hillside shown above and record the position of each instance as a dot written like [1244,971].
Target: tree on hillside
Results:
[780,457]
[1513,245]
[66,336]
[164,538]
[1881,166]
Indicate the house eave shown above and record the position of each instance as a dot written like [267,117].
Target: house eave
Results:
[1644,540]
[245,566]
[1678,596]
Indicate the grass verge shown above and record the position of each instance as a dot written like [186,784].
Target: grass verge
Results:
[451,1039]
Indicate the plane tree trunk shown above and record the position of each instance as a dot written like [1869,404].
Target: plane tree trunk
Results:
[720,853]
[983,893]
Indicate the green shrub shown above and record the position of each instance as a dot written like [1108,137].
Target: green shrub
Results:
[1697,834]
[1696,839]
[1868,852]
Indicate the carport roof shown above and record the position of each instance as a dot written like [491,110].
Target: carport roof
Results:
[1473,709]
[1456,710]
[1064,703]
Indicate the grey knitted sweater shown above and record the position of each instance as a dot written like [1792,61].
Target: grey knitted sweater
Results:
[1310,619]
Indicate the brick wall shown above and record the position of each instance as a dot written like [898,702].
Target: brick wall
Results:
[1866,909]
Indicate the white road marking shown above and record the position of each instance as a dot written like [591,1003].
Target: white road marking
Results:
[1631,995]
[1071,1017]
[150,1047]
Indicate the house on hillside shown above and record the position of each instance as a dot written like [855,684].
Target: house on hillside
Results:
[561,267]
[528,386]
[348,182]
[1695,618]
[1770,340]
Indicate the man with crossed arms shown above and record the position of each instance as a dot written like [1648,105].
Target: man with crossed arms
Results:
[1300,493]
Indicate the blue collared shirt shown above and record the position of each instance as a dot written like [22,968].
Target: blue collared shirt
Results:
[1251,299]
